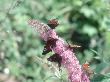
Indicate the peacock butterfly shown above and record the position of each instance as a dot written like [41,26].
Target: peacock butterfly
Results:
[50,43]
[55,58]
[52,23]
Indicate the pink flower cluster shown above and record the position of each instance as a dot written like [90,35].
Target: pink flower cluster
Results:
[69,60]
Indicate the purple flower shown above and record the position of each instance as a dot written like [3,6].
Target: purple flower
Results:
[69,60]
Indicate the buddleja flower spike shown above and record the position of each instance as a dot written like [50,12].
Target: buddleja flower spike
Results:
[63,54]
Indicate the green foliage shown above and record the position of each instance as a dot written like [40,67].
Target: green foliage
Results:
[97,78]
[83,22]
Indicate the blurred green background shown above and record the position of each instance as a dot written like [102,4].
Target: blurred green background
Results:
[82,22]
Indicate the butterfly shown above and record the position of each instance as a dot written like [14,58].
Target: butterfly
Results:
[86,66]
[55,58]
[50,43]
[87,69]
[52,23]
[71,46]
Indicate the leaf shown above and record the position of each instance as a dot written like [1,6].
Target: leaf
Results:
[97,78]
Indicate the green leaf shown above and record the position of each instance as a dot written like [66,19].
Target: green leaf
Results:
[97,78]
